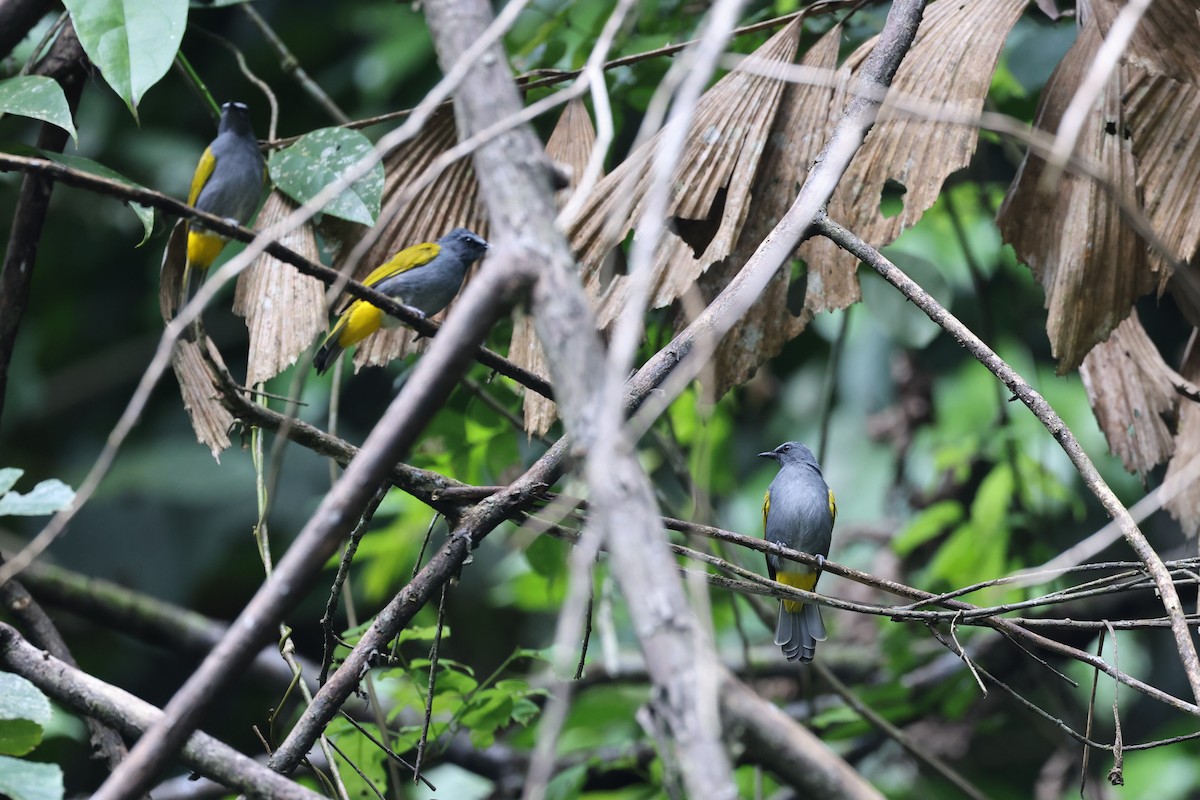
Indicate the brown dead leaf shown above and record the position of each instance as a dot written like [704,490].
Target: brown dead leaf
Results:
[1162,116]
[803,123]
[197,384]
[570,144]
[1164,42]
[1090,261]
[710,192]
[209,419]
[450,201]
[1131,391]
[951,64]
[1182,479]
[284,309]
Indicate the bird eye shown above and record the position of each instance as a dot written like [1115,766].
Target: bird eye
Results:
[786,448]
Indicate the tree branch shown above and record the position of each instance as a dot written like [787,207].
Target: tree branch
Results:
[1054,424]
[92,697]
[64,63]
[434,375]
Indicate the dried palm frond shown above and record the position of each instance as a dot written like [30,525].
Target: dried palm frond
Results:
[570,145]
[284,309]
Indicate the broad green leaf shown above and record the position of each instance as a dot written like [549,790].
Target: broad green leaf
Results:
[928,524]
[322,157]
[133,44]
[30,780]
[38,97]
[24,711]
[356,748]
[546,555]
[568,784]
[48,497]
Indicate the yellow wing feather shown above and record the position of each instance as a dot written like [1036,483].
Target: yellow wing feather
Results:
[204,171]
[766,508]
[409,258]
[832,506]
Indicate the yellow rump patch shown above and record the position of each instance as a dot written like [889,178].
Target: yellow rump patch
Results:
[797,580]
[203,248]
[358,323]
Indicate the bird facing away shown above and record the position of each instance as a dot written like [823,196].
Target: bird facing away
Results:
[425,277]
[228,182]
[798,512]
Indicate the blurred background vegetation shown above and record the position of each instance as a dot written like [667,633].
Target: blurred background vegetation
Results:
[940,480]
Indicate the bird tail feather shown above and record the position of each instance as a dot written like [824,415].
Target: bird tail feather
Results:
[798,632]
[329,350]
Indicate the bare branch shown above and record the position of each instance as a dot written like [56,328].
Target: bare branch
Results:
[92,697]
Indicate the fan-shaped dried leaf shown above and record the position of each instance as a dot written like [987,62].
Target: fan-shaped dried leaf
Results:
[1162,116]
[284,309]
[1183,473]
[450,201]
[570,144]
[710,192]
[1164,42]
[951,64]
[197,384]
[803,123]
[1090,261]
[1131,390]
[209,418]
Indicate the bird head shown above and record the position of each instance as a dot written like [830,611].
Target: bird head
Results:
[792,453]
[469,242]
[235,117]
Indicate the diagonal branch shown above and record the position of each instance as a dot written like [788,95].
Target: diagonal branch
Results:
[422,395]
[1053,422]
[92,697]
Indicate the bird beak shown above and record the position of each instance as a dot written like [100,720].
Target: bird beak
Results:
[768,454]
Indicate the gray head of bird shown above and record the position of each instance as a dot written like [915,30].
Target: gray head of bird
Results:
[792,453]
[468,242]
[235,117]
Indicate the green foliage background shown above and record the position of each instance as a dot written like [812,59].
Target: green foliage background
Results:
[969,489]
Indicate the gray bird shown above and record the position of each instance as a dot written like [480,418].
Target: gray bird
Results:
[798,512]
[228,182]
[424,277]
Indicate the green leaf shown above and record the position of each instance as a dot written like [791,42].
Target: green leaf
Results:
[568,784]
[24,712]
[363,753]
[29,780]
[38,97]
[47,497]
[927,525]
[318,159]
[546,555]
[133,44]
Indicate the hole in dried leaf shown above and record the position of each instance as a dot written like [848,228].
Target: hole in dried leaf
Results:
[699,233]
[891,199]
[797,286]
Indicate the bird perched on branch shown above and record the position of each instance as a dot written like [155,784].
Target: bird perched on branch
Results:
[228,182]
[425,277]
[798,512]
